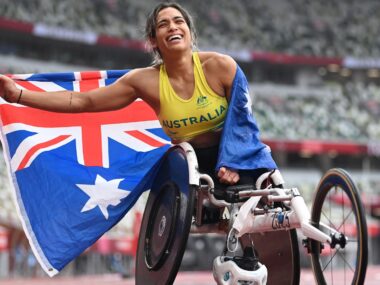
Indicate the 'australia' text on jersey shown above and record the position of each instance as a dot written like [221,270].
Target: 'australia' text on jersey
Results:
[183,122]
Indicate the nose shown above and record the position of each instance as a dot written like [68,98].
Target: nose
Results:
[172,26]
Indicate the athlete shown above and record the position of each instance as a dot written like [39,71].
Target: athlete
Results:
[188,90]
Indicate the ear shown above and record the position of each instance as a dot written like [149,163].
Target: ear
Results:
[153,42]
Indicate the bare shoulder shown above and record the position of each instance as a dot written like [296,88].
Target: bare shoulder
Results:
[143,80]
[214,61]
[140,75]
[145,84]
[218,65]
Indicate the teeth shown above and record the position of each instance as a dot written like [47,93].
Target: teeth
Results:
[175,37]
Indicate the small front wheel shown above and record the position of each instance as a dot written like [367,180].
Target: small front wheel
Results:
[337,204]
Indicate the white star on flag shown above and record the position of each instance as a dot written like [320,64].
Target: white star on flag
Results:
[248,105]
[103,194]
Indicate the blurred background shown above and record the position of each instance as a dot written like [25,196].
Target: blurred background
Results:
[314,70]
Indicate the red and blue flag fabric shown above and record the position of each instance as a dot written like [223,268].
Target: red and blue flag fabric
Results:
[76,175]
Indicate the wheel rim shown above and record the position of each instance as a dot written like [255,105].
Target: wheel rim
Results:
[341,217]
[338,208]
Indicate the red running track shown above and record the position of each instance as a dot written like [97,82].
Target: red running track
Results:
[183,278]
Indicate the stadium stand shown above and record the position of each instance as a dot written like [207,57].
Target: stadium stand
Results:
[346,113]
[294,27]
[313,68]
[351,115]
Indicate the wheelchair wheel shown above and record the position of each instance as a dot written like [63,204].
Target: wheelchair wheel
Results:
[166,222]
[337,204]
[279,252]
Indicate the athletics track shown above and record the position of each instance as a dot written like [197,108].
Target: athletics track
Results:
[183,278]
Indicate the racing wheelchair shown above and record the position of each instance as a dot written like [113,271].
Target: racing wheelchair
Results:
[260,226]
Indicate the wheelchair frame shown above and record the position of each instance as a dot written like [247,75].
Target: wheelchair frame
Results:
[296,216]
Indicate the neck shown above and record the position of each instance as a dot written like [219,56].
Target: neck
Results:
[179,64]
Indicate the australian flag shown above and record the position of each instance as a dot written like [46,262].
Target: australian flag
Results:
[76,175]
[240,146]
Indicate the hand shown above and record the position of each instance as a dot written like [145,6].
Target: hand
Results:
[8,89]
[228,176]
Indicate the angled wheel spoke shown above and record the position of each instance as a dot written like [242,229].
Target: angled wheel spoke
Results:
[329,222]
[332,257]
[345,219]
[346,262]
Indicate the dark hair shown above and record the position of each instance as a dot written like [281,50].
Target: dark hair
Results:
[150,27]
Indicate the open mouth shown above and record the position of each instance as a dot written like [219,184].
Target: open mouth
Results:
[175,38]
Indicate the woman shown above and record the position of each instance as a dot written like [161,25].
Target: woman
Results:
[182,87]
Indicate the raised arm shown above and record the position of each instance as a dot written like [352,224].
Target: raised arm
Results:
[115,96]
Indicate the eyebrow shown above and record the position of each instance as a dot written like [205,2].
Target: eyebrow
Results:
[174,18]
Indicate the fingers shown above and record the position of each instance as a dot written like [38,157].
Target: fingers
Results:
[228,176]
[7,88]
[2,87]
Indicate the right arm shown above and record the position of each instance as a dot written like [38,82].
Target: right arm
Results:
[115,96]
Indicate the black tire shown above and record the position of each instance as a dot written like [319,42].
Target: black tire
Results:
[295,257]
[337,204]
[166,222]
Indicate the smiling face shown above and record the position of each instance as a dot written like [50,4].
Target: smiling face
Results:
[172,31]
[169,28]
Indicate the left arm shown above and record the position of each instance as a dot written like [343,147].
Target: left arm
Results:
[220,71]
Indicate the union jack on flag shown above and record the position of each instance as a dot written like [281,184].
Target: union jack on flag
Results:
[76,175]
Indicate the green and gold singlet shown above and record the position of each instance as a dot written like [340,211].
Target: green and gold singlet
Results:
[184,119]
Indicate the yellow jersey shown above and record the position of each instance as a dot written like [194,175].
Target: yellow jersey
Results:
[184,119]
